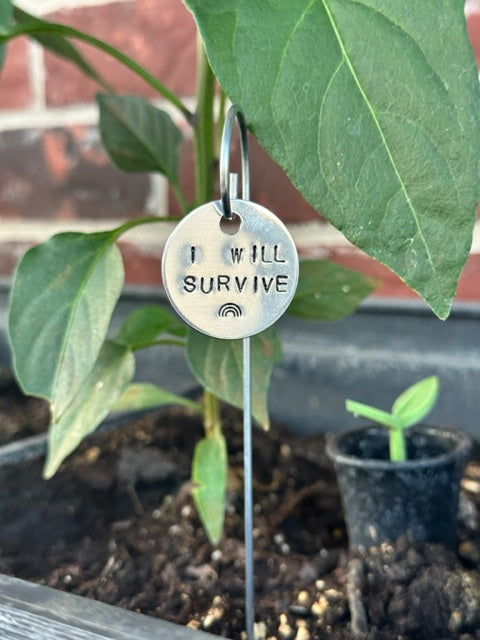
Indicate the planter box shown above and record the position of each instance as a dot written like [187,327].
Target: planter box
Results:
[33,612]
[371,355]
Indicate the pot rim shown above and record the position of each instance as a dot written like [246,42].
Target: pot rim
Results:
[463,444]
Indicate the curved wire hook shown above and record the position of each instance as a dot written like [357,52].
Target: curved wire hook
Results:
[232,114]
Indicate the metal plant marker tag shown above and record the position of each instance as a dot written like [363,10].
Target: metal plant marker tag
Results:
[230,270]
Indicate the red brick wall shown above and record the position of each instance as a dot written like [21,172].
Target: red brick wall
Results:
[54,174]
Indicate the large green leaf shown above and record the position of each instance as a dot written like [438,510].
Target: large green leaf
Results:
[63,296]
[5,22]
[328,291]
[99,392]
[144,395]
[149,325]
[138,136]
[372,108]
[56,42]
[210,475]
[218,366]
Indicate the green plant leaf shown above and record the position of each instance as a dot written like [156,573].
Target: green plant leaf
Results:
[99,392]
[34,28]
[218,366]
[140,396]
[148,325]
[371,107]
[210,475]
[371,413]
[416,402]
[60,45]
[328,291]
[62,298]
[6,12]
[138,136]
[5,23]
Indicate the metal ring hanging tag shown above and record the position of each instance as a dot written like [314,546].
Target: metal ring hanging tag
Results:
[230,281]
[233,113]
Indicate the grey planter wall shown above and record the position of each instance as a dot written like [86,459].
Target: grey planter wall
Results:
[370,356]
[374,355]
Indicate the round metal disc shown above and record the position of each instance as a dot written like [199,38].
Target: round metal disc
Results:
[230,279]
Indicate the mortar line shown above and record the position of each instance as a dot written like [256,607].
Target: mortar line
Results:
[37,77]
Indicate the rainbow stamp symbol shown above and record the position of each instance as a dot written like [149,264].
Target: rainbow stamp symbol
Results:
[230,309]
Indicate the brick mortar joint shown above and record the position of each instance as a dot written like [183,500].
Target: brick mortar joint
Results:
[44,117]
[44,7]
[307,235]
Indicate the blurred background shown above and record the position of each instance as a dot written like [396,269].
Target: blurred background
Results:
[54,174]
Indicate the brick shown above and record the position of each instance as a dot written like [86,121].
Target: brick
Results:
[391,285]
[15,89]
[271,188]
[159,34]
[269,185]
[63,173]
[469,286]
[10,254]
[142,267]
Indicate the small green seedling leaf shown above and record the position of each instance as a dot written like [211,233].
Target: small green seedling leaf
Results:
[99,392]
[141,396]
[409,408]
[328,291]
[368,412]
[138,136]
[416,402]
[218,366]
[210,475]
[63,295]
[150,325]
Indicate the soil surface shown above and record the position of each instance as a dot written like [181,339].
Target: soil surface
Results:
[117,524]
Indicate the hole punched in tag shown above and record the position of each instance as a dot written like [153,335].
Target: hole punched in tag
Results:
[231,226]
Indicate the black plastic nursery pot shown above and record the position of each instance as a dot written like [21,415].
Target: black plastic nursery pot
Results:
[417,499]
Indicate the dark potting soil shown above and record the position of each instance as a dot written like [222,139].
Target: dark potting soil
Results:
[117,524]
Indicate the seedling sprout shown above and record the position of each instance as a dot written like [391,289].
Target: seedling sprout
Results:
[411,406]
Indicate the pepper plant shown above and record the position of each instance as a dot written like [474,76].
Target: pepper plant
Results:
[409,409]
[372,110]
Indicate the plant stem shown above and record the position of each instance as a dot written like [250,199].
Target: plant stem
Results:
[156,343]
[220,121]
[212,422]
[203,130]
[398,448]
[137,222]
[204,149]
[64,30]
[181,198]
